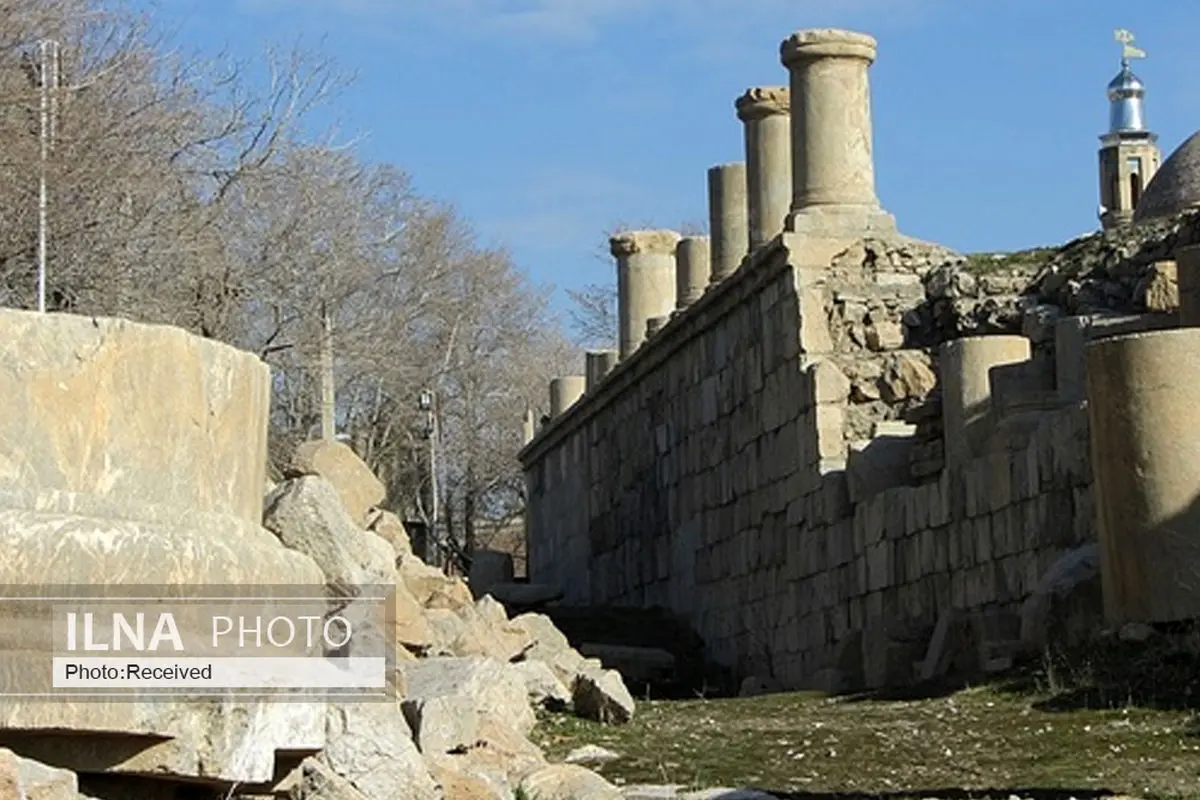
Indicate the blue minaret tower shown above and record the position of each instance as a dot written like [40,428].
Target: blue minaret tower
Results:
[1129,154]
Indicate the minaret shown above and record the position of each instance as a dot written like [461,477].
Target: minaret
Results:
[1129,154]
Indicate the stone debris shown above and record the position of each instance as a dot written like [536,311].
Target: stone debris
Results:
[568,782]
[600,694]
[475,677]
[24,779]
[370,745]
[360,491]
[590,754]
[306,515]
[468,680]
[544,687]
[1066,603]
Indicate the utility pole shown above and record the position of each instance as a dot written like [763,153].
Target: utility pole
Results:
[48,52]
[328,398]
[427,402]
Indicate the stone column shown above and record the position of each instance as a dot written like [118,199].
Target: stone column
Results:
[564,392]
[528,427]
[1145,432]
[645,282]
[728,220]
[833,183]
[597,365]
[765,111]
[1187,277]
[965,365]
[693,266]
[134,456]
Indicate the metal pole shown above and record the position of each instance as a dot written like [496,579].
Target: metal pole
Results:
[48,52]
[433,475]
[328,399]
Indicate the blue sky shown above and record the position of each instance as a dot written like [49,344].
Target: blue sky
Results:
[547,121]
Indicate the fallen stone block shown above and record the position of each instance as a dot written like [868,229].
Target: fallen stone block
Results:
[132,414]
[411,627]
[357,488]
[952,640]
[25,779]
[568,782]
[600,694]
[433,588]
[491,634]
[307,516]
[590,754]
[492,690]
[460,779]
[543,686]
[370,745]
[390,528]
[1067,602]
[315,780]
[469,633]
[652,792]
[443,723]
[551,647]
[218,743]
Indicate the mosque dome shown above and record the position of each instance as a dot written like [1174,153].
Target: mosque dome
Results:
[1175,187]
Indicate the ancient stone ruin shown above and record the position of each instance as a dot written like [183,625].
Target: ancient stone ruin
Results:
[857,458]
[135,456]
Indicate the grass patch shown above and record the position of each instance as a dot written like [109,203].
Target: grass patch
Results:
[1076,725]
[1030,260]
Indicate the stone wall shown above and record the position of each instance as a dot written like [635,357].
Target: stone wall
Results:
[852,437]
[715,473]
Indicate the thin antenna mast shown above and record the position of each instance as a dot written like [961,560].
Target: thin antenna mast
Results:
[48,78]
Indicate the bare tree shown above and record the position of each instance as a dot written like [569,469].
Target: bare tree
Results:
[187,190]
[593,311]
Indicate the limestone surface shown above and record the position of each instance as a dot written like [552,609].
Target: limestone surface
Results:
[334,461]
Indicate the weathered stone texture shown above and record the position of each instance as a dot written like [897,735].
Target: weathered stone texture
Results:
[133,414]
[711,477]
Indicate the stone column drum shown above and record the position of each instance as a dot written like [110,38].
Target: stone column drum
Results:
[564,392]
[833,183]
[133,457]
[765,112]
[1187,276]
[728,218]
[645,282]
[693,266]
[965,365]
[597,365]
[1145,431]
[528,428]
